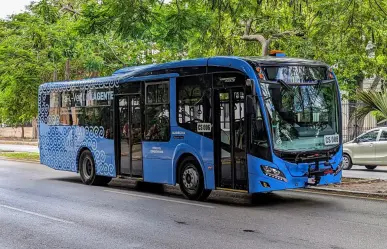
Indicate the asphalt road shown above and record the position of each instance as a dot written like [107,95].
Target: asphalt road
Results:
[42,208]
[361,172]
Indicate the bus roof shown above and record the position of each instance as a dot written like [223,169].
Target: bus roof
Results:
[131,72]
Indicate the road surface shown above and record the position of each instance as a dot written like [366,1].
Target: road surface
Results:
[361,172]
[42,208]
[18,148]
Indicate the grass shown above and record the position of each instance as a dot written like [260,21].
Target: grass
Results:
[29,156]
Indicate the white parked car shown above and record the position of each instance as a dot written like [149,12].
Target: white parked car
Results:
[368,149]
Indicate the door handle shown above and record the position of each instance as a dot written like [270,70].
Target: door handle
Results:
[371,145]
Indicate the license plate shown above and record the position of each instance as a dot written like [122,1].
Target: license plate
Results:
[331,139]
[204,127]
[311,180]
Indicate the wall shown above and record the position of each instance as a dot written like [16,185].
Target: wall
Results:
[10,132]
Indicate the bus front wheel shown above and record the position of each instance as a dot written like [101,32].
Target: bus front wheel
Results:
[191,180]
[87,170]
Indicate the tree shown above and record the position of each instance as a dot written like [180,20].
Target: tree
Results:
[372,103]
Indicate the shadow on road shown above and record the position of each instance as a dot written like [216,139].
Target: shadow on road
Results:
[283,199]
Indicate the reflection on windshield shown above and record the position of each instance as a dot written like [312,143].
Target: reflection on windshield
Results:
[302,115]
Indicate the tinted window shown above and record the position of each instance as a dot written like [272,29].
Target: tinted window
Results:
[383,136]
[369,136]
[65,110]
[130,87]
[157,112]
[157,93]
[296,74]
[96,116]
[259,145]
[100,97]
[193,102]
[53,115]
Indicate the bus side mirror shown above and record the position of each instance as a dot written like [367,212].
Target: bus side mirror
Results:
[250,85]
[250,104]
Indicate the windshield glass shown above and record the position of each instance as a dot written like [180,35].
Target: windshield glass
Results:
[303,117]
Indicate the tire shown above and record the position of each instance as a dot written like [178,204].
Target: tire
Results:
[87,171]
[191,180]
[347,162]
[370,167]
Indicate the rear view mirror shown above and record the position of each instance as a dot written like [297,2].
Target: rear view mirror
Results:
[250,85]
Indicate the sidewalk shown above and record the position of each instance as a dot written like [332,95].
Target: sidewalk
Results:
[18,148]
[19,141]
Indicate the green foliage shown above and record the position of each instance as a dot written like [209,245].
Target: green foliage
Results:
[374,103]
[58,39]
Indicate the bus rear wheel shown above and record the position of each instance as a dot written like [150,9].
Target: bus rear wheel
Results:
[87,170]
[191,180]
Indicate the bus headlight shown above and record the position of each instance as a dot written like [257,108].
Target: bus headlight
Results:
[273,172]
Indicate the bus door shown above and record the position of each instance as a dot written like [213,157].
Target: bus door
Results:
[230,138]
[130,139]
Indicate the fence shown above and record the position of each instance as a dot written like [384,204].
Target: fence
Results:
[354,127]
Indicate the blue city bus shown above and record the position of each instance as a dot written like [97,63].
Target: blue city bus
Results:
[245,124]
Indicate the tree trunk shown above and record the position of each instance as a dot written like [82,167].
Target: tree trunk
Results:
[22,134]
[265,43]
[55,75]
[266,47]
[67,69]
[34,128]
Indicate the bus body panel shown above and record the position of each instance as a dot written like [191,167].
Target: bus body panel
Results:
[60,147]
[198,146]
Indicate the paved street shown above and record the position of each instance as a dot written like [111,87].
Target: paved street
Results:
[18,148]
[42,208]
[361,172]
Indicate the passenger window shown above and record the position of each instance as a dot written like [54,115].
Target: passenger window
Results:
[369,136]
[157,127]
[53,116]
[259,144]
[65,110]
[194,102]
[383,136]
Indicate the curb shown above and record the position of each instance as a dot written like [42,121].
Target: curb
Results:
[349,191]
[340,192]
[18,143]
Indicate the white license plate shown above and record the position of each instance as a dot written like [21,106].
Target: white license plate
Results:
[204,127]
[331,139]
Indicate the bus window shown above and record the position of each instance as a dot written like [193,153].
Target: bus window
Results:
[157,126]
[194,102]
[53,115]
[65,110]
[259,145]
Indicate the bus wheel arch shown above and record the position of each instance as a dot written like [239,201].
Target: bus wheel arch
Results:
[191,179]
[87,169]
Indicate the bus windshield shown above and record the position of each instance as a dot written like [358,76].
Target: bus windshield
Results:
[303,117]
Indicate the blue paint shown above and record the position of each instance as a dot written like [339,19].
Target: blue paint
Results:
[60,146]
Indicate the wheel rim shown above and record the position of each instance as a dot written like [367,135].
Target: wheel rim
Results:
[190,179]
[87,166]
[345,162]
